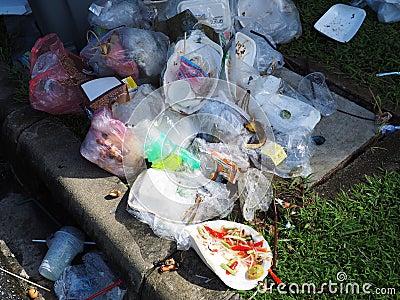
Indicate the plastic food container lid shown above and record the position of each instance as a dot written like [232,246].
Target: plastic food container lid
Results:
[215,13]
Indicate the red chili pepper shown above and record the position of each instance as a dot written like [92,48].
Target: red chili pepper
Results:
[247,248]
[260,249]
[241,248]
[229,242]
[242,254]
[215,233]
[274,277]
[258,244]
[232,266]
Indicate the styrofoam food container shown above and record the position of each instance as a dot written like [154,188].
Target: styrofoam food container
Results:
[341,22]
[214,13]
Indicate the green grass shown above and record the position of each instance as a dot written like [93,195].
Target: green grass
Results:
[356,233]
[374,49]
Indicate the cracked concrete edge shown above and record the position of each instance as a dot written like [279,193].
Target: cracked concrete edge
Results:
[48,152]
[11,264]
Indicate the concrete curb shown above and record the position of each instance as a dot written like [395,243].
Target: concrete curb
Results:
[44,152]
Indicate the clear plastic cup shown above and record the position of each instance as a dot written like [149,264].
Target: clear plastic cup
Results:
[63,247]
[315,89]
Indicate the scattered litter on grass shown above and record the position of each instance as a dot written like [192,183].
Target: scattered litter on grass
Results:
[389,129]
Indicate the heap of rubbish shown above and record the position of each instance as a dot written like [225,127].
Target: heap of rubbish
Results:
[185,108]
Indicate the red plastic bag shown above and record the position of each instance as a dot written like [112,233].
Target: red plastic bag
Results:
[56,76]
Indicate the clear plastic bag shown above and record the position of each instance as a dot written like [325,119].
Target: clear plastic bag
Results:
[223,121]
[255,192]
[127,52]
[279,18]
[224,154]
[105,144]
[82,281]
[124,111]
[213,13]
[56,75]
[110,14]
[298,147]
[205,55]
[268,59]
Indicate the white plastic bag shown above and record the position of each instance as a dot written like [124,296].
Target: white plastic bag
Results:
[388,10]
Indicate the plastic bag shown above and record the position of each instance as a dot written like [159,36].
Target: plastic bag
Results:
[127,52]
[168,201]
[388,10]
[228,160]
[251,55]
[82,281]
[255,192]
[279,18]
[110,14]
[103,144]
[286,113]
[124,111]
[206,58]
[56,75]
[267,58]
[298,148]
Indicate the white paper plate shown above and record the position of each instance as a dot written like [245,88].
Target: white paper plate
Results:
[214,259]
[341,22]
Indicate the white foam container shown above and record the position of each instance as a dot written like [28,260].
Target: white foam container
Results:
[214,13]
[341,22]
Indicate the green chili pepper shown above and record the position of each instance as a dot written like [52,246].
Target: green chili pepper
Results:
[227,268]
[226,244]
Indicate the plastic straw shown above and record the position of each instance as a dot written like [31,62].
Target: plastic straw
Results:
[22,278]
[110,287]
[44,241]
[388,73]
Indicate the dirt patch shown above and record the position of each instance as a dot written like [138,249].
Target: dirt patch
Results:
[383,154]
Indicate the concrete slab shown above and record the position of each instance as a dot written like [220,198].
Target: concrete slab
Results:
[345,134]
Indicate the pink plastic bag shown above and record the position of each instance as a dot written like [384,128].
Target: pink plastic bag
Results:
[104,141]
[56,76]
[104,144]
